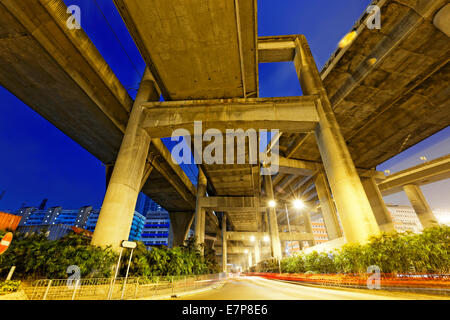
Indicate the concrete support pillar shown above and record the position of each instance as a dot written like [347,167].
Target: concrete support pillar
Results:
[180,223]
[199,211]
[327,206]
[108,173]
[116,215]
[420,205]
[250,262]
[273,223]
[308,226]
[257,252]
[382,215]
[357,218]
[224,243]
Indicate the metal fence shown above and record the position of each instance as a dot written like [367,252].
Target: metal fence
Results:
[119,288]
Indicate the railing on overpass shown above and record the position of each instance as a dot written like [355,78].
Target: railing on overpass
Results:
[108,289]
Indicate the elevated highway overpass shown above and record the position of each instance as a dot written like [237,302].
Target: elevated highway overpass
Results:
[381,94]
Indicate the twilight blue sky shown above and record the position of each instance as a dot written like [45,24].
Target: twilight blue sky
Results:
[38,161]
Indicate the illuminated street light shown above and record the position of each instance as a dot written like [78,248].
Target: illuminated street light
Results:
[252,238]
[348,39]
[246,251]
[272,203]
[424,159]
[266,239]
[298,204]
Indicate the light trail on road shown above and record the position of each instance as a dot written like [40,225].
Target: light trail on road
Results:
[256,288]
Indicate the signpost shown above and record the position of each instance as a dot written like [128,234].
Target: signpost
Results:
[5,242]
[128,245]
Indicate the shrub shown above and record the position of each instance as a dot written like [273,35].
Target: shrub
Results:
[427,252]
[37,257]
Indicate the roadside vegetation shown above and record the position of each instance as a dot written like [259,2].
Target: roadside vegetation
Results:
[36,257]
[428,252]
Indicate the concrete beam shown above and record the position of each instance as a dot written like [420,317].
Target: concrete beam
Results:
[246,236]
[231,203]
[296,236]
[290,114]
[235,250]
[299,167]
[432,171]
[308,168]
[276,49]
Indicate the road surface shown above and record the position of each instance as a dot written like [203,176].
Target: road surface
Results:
[255,288]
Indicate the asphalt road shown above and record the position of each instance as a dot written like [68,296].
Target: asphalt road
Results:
[255,288]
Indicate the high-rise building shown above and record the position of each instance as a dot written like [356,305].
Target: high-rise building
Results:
[85,218]
[137,227]
[404,218]
[319,231]
[25,213]
[156,229]
[150,205]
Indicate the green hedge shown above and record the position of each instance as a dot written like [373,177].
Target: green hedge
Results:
[37,257]
[428,252]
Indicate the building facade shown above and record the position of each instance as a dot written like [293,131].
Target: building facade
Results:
[85,218]
[156,229]
[404,218]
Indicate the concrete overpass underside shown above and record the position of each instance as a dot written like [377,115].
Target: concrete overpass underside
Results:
[60,74]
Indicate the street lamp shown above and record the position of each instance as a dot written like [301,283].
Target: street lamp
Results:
[246,251]
[266,239]
[252,238]
[272,203]
[298,204]
[348,39]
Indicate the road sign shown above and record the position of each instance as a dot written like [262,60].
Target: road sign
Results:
[6,241]
[129,244]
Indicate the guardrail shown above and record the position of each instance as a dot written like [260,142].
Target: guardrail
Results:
[438,283]
[108,289]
